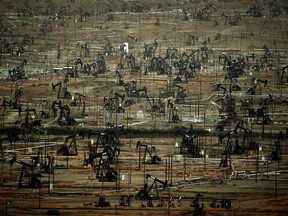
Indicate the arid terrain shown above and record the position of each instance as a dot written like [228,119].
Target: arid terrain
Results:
[143,107]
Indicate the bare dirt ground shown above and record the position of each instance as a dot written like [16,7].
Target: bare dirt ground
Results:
[54,34]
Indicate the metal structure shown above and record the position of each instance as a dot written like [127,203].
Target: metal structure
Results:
[198,209]
[187,146]
[70,149]
[180,94]
[171,51]
[28,172]
[173,116]
[79,100]
[276,153]
[62,92]
[18,73]
[252,91]
[144,193]
[64,117]
[150,153]
[101,165]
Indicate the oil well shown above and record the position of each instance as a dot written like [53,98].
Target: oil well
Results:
[132,107]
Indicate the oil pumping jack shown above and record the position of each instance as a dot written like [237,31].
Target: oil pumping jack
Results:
[276,153]
[226,160]
[15,97]
[233,86]
[64,117]
[14,102]
[38,159]
[187,145]
[247,142]
[132,90]
[105,140]
[227,101]
[111,151]
[144,193]
[124,201]
[46,164]
[62,92]
[119,78]
[283,74]
[110,137]
[114,103]
[32,177]
[152,157]
[114,131]
[54,108]
[79,100]
[198,209]
[24,129]
[224,100]
[231,147]
[18,73]
[173,116]
[156,105]
[27,130]
[124,102]
[180,94]
[102,166]
[70,149]
[102,140]
[31,118]
[261,112]
[257,82]
[219,87]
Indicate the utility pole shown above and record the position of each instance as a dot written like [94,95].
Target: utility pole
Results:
[276,182]
[184,166]
[257,164]
[139,159]
[39,194]
[171,167]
